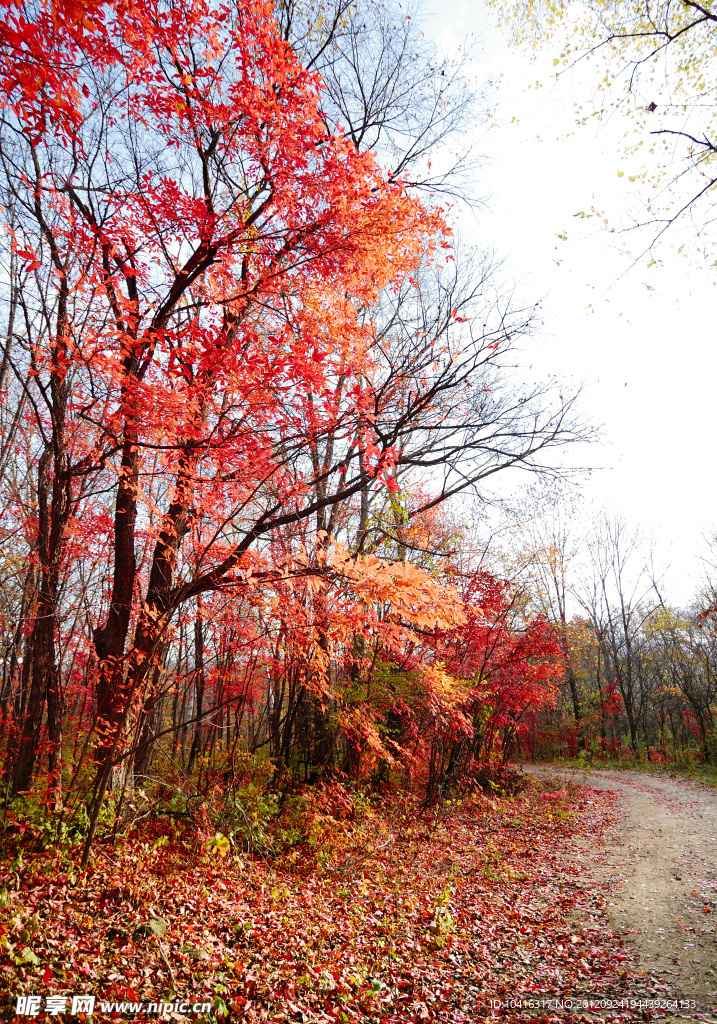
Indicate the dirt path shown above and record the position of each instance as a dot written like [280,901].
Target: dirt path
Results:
[661,878]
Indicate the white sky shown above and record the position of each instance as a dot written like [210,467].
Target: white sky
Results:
[647,357]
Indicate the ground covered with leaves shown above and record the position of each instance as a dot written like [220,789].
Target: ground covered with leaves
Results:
[352,911]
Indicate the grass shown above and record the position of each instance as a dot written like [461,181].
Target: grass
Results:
[704,773]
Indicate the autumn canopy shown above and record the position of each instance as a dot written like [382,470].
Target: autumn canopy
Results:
[231,421]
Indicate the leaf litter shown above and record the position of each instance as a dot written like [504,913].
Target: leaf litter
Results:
[374,913]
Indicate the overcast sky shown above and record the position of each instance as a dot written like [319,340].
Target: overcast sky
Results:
[639,338]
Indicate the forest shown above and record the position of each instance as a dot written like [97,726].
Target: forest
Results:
[263,661]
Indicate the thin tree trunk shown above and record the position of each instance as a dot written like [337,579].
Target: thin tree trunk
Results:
[199,682]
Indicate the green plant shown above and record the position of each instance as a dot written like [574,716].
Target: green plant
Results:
[246,815]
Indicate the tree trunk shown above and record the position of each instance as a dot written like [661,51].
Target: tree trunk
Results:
[110,639]
[577,711]
[199,683]
[45,686]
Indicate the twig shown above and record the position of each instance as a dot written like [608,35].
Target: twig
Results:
[99,848]
[169,966]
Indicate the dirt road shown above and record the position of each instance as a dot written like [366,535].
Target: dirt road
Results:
[660,876]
